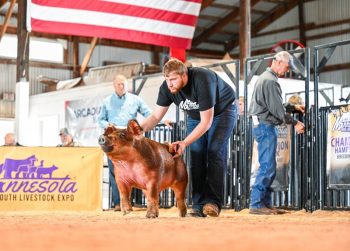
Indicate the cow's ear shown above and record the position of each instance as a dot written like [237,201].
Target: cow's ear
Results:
[134,127]
[109,129]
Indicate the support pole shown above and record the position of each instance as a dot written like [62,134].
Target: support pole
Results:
[244,33]
[23,43]
[302,35]
[76,72]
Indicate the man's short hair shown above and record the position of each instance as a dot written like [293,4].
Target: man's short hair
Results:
[283,56]
[174,65]
[121,78]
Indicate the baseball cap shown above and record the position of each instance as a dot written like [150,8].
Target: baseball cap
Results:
[286,57]
[64,131]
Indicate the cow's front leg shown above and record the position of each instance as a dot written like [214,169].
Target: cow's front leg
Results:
[152,200]
[125,194]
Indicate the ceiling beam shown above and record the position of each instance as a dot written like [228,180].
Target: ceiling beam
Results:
[289,28]
[206,3]
[88,55]
[209,17]
[314,26]
[223,6]
[223,32]
[229,7]
[260,12]
[219,25]
[285,1]
[264,21]
[213,41]
[275,1]
[307,26]
[328,34]
[279,11]
[7,19]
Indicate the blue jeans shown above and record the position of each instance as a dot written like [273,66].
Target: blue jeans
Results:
[266,136]
[115,191]
[209,158]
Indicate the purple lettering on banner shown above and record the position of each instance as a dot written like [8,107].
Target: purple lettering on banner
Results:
[24,176]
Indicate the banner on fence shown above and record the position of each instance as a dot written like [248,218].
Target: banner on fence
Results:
[82,120]
[50,178]
[282,158]
[338,147]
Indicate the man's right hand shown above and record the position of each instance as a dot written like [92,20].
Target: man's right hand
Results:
[299,127]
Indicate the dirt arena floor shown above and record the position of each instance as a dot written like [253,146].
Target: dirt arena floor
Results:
[234,231]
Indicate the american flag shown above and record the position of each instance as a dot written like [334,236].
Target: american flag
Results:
[169,23]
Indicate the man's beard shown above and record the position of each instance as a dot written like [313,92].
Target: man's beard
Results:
[173,90]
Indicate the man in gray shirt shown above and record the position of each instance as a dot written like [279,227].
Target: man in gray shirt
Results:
[267,110]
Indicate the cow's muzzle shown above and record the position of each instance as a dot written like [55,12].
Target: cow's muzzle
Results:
[105,144]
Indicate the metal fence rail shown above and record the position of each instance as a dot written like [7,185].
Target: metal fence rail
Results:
[308,186]
[329,198]
[296,196]
[325,198]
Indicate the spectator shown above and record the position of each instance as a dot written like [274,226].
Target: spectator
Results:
[10,140]
[118,109]
[66,139]
[296,100]
[267,111]
[210,105]
[241,105]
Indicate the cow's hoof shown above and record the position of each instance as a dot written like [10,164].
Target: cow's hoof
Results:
[183,213]
[126,212]
[151,215]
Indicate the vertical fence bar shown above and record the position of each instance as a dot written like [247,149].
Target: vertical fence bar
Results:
[327,198]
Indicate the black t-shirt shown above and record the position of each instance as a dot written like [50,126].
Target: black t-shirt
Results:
[204,90]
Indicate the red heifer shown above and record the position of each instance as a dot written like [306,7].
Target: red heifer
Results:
[145,164]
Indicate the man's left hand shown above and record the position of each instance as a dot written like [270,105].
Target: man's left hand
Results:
[300,108]
[179,147]
[299,127]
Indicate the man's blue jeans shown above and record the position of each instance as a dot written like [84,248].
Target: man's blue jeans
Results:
[209,158]
[115,191]
[266,136]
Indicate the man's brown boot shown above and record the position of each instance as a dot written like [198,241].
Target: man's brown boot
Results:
[262,211]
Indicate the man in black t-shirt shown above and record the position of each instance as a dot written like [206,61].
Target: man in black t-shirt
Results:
[210,105]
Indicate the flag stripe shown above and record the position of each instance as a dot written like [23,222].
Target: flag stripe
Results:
[183,7]
[160,22]
[123,9]
[112,33]
[110,20]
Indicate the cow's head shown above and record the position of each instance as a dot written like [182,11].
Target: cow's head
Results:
[115,138]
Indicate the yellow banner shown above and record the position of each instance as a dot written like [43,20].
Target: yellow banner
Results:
[50,178]
[338,147]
